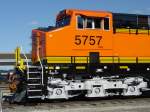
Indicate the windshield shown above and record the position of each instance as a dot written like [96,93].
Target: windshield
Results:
[63,21]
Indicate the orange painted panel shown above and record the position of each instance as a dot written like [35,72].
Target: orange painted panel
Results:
[71,41]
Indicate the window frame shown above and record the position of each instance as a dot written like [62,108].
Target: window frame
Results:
[78,22]
[93,23]
[85,27]
[108,24]
[101,23]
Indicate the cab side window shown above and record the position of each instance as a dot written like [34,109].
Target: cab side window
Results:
[80,22]
[97,23]
[89,23]
[84,22]
[106,23]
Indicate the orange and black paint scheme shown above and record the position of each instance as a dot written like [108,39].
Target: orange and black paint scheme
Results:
[83,42]
[97,34]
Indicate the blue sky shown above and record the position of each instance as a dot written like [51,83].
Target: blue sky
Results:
[19,17]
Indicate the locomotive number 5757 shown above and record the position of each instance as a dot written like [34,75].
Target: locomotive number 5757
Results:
[87,40]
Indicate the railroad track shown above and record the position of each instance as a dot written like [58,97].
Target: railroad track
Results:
[82,105]
[88,105]
[101,105]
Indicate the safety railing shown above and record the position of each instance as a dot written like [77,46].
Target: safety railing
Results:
[102,59]
[42,69]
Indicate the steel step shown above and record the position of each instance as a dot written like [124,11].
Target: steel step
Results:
[34,90]
[33,84]
[34,72]
[33,66]
[34,96]
[33,78]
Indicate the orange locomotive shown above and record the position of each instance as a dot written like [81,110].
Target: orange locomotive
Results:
[90,54]
[79,32]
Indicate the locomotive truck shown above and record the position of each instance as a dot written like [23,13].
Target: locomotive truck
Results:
[87,53]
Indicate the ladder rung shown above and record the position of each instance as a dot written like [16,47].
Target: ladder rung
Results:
[33,84]
[34,90]
[33,78]
[33,67]
[34,96]
[34,72]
